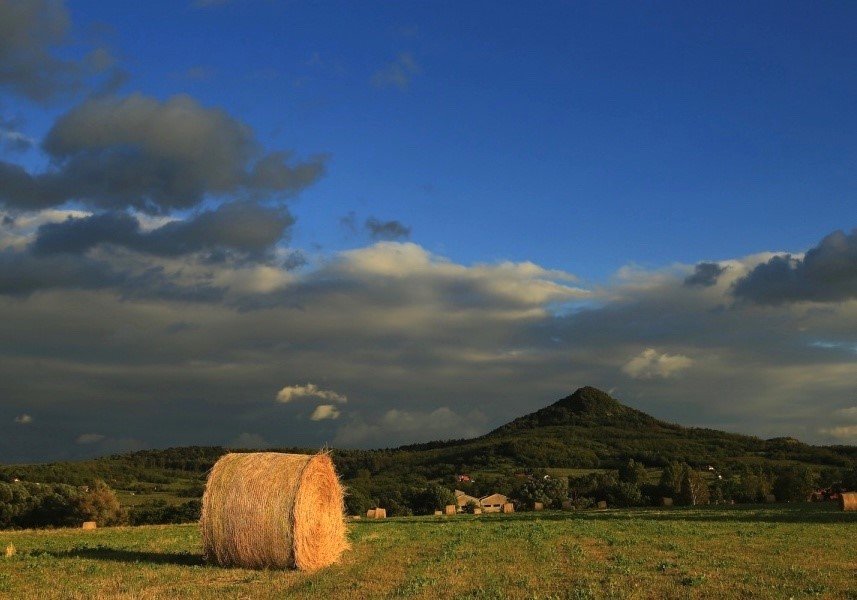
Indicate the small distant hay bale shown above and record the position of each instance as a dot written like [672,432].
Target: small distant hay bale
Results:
[89,525]
[508,507]
[848,501]
[477,511]
[10,550]
[770,498]
[380,513]
[567,505]
[538,506]
[666,501]
[601,504]
[370,514]
[272,510]
[438,513]
[450,509]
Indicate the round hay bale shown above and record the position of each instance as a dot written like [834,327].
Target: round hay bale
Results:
[88,525]
[848,501]
[380,513]
[602,504]
[272,510]
[508,507]
[450,509]
[438,513]
[370,514]
[477,511]
[538,506]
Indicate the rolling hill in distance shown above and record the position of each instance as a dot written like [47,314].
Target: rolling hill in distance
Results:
[586,430]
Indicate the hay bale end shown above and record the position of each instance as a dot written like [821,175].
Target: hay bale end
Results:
[848,501]
[273,510]
[508,507]
[89,525]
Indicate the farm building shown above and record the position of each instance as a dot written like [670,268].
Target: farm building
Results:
[462,499]
[493,502]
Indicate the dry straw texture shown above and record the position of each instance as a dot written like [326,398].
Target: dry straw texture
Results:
[380,513]
[89,525]
[508,507]
[10,550]
[450,509]
[272,510]
[666,501]
[370,514]
[602,504]
[538,506]
[848,501]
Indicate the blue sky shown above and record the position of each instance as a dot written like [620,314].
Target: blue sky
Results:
[581,136]
[563,167]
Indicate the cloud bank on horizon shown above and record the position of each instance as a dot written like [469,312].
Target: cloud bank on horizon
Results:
[151,296]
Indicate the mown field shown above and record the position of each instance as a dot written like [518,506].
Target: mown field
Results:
[775,551]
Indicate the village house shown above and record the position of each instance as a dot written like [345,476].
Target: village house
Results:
[462,500]
[493,502]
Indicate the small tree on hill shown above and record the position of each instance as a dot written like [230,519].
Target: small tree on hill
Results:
[795,484]
[670,484]
[633,472]
[100,504]
[431,498]
[694,489]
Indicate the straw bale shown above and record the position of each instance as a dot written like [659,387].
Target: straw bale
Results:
[848,501]
[380,513]
[538,506]
[477,511]
[508,507]
[666,501]
[438,513]
[602,504]
[769,498]
[567,505]
[89,525]
[273,510]
[450,509]
[370,514]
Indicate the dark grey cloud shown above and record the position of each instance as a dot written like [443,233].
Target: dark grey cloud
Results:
[244,227]
[387,230]
[400,332]
[30,32]
[23,273]
[826,273]
[704,274]
[135,151]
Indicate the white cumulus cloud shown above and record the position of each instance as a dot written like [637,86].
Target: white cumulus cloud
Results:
[649,364]
[324,411]
[310,390]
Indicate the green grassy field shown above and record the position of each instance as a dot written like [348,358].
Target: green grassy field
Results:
[780,551]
